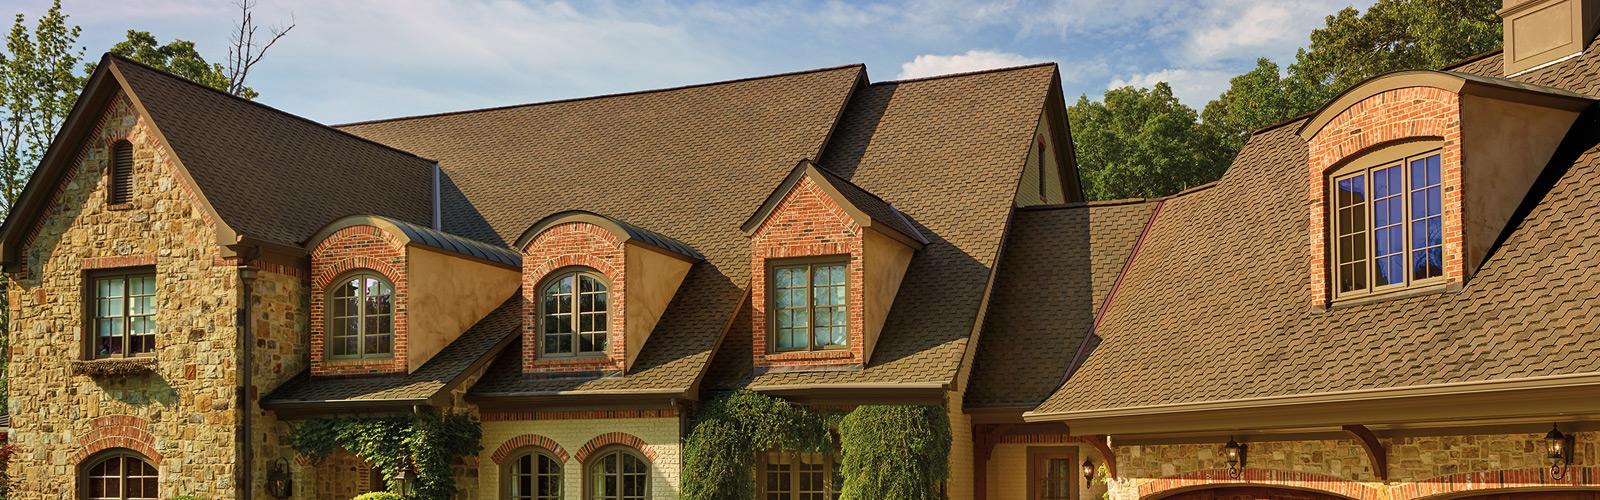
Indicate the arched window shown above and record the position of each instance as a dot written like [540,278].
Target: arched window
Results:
[118,475]
[120,190]
[573,310]
[532,475]
[360,312]
[619,474]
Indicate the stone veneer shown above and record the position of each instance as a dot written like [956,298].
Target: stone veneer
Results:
[565,246]
[1384,118]
[1419,467]
[807,223]
[358,248]
[184,410]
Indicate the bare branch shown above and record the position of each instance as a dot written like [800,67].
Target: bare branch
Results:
[243,54]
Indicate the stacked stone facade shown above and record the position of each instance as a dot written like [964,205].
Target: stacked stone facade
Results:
[806,223]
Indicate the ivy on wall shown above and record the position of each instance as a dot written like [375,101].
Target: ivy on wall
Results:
[430,445]
[888,452]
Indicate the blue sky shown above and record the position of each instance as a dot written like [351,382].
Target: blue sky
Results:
[350,60]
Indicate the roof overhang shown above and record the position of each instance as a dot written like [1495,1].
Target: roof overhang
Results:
[1457,83]
[631,398]
[1495,400]
[412,234]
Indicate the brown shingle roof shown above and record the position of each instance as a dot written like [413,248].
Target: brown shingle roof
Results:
[1217,306]
[689,164]
[1058,266]
[272,175]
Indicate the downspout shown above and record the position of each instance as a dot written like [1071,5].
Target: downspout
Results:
[438,216]
[247,277]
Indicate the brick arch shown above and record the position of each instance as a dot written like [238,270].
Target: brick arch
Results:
[526,441]
[117,431]
[1271,478]
[569,245]
[340,267]
[615,439]
[1498,481]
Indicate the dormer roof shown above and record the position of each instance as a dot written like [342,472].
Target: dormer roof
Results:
[867,209]
[624,232]
[411,233]
[1454,82]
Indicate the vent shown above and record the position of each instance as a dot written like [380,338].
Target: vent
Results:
[121,190]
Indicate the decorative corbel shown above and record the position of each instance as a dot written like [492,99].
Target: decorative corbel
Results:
[1375,449]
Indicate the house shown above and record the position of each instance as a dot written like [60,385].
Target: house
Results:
[1390,298]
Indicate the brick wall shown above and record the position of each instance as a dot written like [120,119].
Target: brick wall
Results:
[1411,112]
[659,435]
[567,246]
[351,249]
[806,223]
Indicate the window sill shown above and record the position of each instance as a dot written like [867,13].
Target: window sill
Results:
[114,367]
[829,354]
[1395,294]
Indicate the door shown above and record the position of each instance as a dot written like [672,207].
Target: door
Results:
[1250,493]
[1054,475]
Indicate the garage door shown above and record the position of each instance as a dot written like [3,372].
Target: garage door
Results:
[1251,493]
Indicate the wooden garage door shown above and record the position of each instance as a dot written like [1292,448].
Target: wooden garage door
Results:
[1251,493]
[1539,495]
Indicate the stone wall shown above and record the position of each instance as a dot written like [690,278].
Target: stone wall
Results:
[1419,466]
[184,410]
[572,433]
[280,324]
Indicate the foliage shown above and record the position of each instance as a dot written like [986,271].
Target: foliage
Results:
[894,452]
[378,495]
[6,452]
[720,452]
[38,87]
[178,57]
[394,444]
[1142,143]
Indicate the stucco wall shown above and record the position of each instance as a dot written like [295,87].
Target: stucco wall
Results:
[185,410]
[660,433]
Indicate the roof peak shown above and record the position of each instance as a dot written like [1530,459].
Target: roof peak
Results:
[966,73]
[602,96]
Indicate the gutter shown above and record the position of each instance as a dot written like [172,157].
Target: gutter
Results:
[246,345]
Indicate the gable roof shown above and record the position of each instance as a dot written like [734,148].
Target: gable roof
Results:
[1060,263]
[865,208]
[1216,307]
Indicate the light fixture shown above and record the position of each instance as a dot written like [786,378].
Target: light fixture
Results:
[1234,453]
[1088,473]
[280,482]
[1558,450]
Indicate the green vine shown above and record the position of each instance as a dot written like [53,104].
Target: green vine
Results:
[894,452]
[719,456]
[395,444]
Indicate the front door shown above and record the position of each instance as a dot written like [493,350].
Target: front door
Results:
[1054,475]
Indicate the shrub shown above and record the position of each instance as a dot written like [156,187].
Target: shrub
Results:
[894,452]
[379,495]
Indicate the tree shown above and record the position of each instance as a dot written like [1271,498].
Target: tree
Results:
[1142,143]
[245,53]
[178,57]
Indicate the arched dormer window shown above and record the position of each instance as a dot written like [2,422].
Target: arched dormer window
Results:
[618,473]
[360,311]
[533,474]
[1386,219]
[573,313]
[118,474]
[120,174]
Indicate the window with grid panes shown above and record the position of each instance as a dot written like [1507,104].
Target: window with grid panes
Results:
[123,312]
[809,310]
[119,475]
[533,475]
[361,317]
[799,476]
[574,314]
[619,474]
[1387,226]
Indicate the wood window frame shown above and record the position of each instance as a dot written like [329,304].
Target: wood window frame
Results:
[1396,154]
[115,454]
[811,332]
[361,336]
[1040,455]
[578,273]
[508,471]
[119,188]
[609,451]
[830,471]
[90,302]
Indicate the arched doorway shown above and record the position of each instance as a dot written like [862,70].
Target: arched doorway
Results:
[1250,493]
[1536,495]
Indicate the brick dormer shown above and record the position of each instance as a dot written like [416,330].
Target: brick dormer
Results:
[419,289]
[1414,175]
[593,288]
[829,256]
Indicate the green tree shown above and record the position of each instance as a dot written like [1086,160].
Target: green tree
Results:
[178,57]
[1142,143]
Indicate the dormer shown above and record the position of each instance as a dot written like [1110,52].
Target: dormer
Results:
[388,295]
[593,288]
[827,258]
[1414,176]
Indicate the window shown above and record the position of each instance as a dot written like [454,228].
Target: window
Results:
[1387,226]
[534,475]
[1044,195]
[361,317]
[124,313]
[121,174]
[809,310]
[574,309]
[619,474]
[800,476]
[119,475]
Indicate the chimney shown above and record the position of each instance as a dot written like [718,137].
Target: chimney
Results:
[1539,33]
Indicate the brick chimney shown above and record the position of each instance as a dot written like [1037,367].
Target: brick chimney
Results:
[1539,33]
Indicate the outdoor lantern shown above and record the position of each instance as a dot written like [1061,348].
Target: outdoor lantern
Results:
[279,482]
[1088,472]
[1558,450]
[1234,453]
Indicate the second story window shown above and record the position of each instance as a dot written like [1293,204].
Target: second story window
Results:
[573,312]
[124,313]
[808,306]
[1387,230]
[361,317]
[121,173]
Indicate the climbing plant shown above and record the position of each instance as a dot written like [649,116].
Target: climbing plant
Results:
[719,456]
[894,452]
[428,444]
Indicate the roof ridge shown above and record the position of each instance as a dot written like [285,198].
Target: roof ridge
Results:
[863,67]
[967,73]
[1090,204]
[120,58]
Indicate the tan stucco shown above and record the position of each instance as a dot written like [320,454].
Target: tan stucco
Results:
[1539,32]
[653,277]
[884,263]
[1506,145]
[448,294]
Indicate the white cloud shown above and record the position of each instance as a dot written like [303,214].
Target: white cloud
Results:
[1192,87]
[973,60]
[1252,28]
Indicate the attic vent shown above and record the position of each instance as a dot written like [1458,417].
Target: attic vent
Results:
[121,190]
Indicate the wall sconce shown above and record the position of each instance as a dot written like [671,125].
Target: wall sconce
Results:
[1558,451]
[1088,473]
[280,483]
[1234,453]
